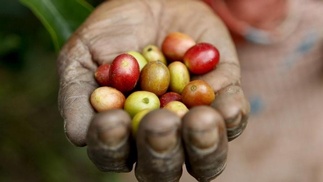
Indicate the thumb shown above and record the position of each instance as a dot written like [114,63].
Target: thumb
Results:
[76,69]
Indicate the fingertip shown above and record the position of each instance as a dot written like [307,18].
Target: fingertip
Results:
[109,128]
[75,135]
[76,110]
[76,125]
[159,147]
[234,107]
[205,142]
[236,126]
[159,131]
[109,143]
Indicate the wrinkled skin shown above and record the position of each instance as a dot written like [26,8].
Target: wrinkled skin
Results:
[118,26]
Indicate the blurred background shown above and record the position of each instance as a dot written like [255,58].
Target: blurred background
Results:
[33,146]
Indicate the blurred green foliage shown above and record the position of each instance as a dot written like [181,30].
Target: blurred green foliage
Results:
[33,145]
[60,17]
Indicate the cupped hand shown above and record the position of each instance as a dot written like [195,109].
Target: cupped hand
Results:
[161,148]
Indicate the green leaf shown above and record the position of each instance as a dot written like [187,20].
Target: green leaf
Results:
[60,17]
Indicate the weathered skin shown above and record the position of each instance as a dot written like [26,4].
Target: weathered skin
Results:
[118,26]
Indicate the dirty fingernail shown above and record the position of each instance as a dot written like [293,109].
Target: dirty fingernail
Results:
[113,136]
[202,126]
[203,139]
[162,142]
[232,123]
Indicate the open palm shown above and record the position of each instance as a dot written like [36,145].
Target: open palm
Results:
[118,26]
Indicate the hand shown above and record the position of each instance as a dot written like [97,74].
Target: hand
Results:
[118,26]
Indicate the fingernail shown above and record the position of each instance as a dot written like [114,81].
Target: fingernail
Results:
[204,139]
[164,141]
[233,123]
[235,130]
[113,136]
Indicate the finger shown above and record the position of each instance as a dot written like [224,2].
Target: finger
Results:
[234,107]
[77,82]
[205,142]
[109,143]
[160,154]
